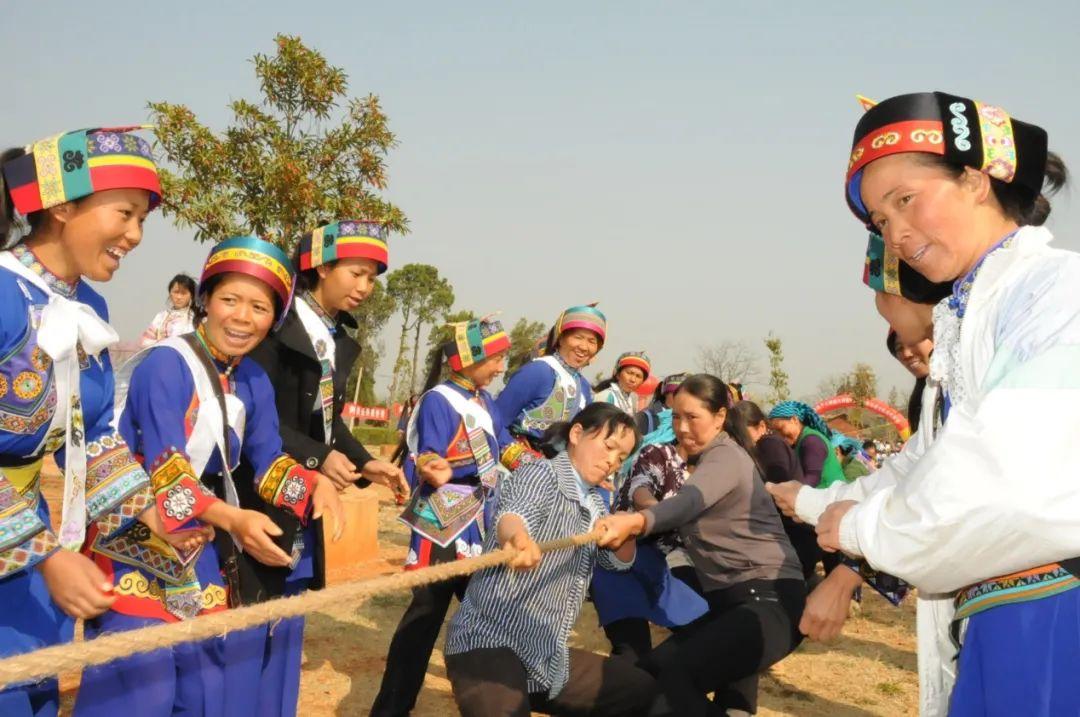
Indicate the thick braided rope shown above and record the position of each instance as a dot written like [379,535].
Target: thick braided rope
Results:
[53,660]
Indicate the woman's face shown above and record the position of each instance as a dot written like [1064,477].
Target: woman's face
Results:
[630,378]
[787,428]
[179,296]
[98,231]
[925,216]
[577,347]
[695,425]
[347,283]
[482,373]
[596,456]
[912,322]
[915,357]
[239,314]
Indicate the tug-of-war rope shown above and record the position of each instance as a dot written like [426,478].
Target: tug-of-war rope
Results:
[72,656]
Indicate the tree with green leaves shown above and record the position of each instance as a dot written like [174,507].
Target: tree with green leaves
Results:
[422,297]
[524,334]
[301,156]
[371,316]
[778,377]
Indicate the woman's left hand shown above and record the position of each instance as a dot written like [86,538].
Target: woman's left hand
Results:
[617,528]
[828,526]
[325,501]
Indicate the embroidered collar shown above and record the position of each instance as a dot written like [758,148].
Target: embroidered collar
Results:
[325,317]
[558,357]
[961,292]
[26,256]
[228,362]
[463,383]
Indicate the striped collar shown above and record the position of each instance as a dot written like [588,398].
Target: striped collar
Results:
[28,258]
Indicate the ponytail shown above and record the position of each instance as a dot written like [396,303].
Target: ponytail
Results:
[11,228]
[433,379]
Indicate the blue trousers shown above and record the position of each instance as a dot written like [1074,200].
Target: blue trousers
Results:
[279,691]
[1021,659]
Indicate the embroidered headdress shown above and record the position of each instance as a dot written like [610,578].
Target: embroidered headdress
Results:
[254,257]
[634,359]
[74,165]
[885,272]
[671,383]
[582,317]
[473,341]
[345,239]
[963,131]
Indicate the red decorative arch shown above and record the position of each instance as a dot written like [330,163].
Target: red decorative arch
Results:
[874,405]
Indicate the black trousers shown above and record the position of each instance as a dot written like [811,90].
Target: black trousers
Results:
[493,681]
[411,646]
[748,628]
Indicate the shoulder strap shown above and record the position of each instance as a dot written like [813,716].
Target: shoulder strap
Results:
[192,340]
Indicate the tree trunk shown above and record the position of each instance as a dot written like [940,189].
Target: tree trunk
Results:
[415,356]
[397,362]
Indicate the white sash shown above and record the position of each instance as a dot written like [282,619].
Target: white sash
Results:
[464,408]
[66,324]
[569,383]
[208,433]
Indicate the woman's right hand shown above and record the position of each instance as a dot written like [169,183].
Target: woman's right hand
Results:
[77,586]
[255,531]
[785,495]
[528,552]
[436,471]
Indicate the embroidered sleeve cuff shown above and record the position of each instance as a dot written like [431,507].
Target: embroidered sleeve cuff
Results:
[516,455]
[117,487]
[287,484]
[32,550]
[177,491]
[424,458]
[849,538]
[810,503]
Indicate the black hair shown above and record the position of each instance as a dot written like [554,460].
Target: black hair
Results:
[892,342]
[1017,202]
[185,281]
[307,279]
[748,413]
[593,418]
[868,444]
[207,288]
[716,396]
[434,378]
[740,417]
[914,406]
[9,219]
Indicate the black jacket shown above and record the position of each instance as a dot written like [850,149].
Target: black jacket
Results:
[288,357]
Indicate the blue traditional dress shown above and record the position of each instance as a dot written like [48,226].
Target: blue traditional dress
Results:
[34,414]
[542,392]
[174,423]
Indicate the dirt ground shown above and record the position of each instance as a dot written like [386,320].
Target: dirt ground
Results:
[870,670]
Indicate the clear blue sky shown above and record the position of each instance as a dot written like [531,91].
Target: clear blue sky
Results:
[680,162]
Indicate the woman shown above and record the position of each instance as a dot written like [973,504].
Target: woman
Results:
[969,209]
[195,405]
[803,429]
[631,370]
[309,359]
[179,318]
[453,444]
[84,196]
[506,649]
[745,563]
[550,389]
[661,588]
[649,420]
[778,464]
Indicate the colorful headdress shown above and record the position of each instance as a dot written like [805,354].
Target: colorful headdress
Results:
[634,359]
[671,383]
[74,165]
[582,317]
[886,272]
[345,239]
[807,415]
[963,131]
[474,341]
[254,257]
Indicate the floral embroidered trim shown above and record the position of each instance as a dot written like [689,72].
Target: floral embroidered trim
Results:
[518,454]
[177,490]
[112,477]
[287,484]
[41,545]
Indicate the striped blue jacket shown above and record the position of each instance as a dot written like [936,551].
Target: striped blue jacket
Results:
[532,612]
